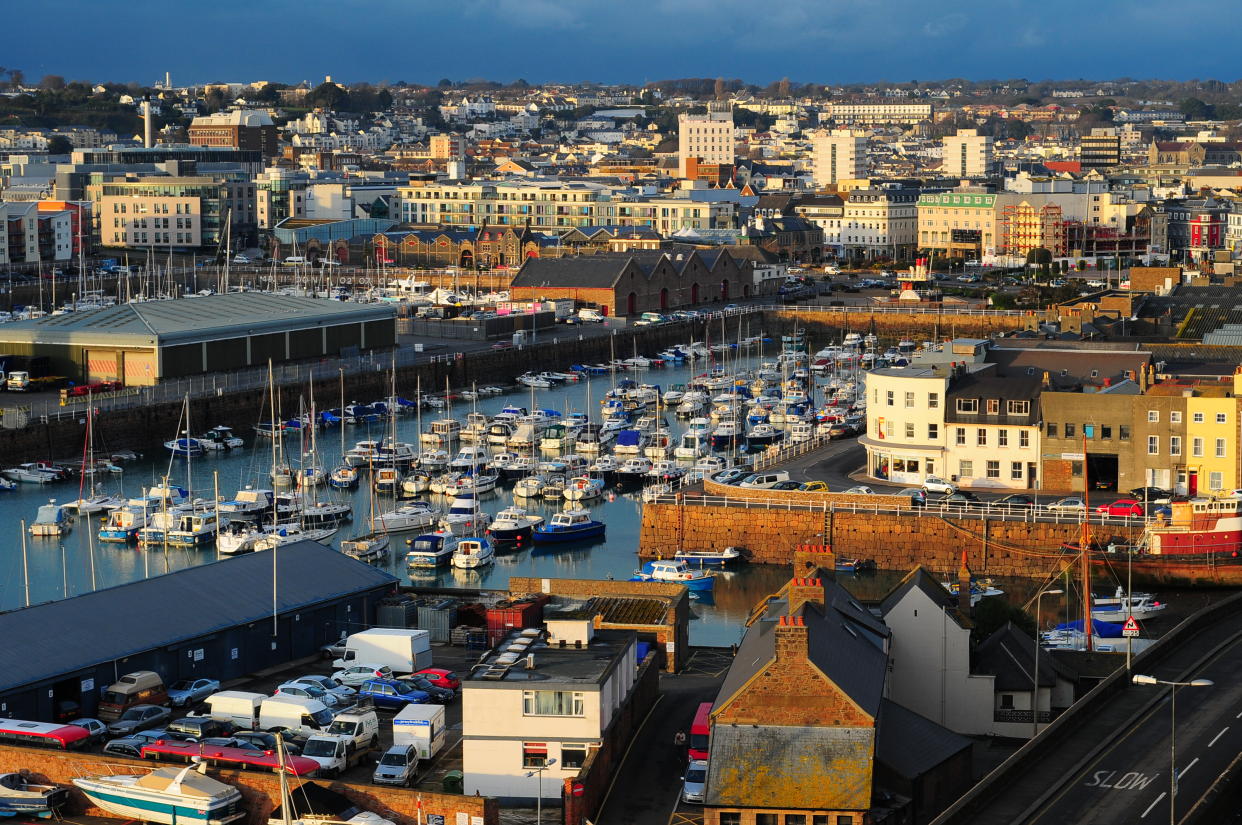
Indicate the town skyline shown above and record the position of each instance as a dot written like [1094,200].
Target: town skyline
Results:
[556,41]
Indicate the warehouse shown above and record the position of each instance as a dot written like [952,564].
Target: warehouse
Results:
[214,620]
[141,344]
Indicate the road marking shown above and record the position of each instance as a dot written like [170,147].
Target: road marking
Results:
[1218,736]
[604,802]
[1129,781]
[1239,716]
[1182,772]
[1153,804]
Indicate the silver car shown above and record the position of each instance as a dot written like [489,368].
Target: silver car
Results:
[694,783]
[397,766]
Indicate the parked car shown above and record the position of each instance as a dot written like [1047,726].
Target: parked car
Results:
[190,691]
[814,487]
[241,259]
[198,728]
[397,766]
[1122,507]
[356,675]
[841,430]
[439,695]
[1015,500]
[441,677]
[94,727]
[125,746]
[860,490]
[391,693]
[139,717]
[916,494]
[326,682]
[314,691]
[264,741]
[1158,495]
[232,742]
[1070,504]
[935,484]
[787,485]
[502,345]
[730,475]
[765,480]
[960,497]
[694,783]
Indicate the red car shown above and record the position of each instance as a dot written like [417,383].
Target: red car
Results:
[440,677]
[1122,507]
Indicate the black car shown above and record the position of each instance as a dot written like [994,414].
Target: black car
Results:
[960,497]
[264,740]
[439,695]
[1151,495]
[1015,500]
[200,727]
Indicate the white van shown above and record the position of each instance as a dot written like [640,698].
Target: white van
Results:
[236,706]
[592,315]
[295,260]
[298,715]
[765,480]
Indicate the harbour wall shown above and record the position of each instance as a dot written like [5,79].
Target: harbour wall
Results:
[260,790]
[827,323]
[769,525]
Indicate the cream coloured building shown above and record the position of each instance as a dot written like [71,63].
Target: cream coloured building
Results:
[840,154]
[879,222]
[708,137]
[548,702]
[905,423]
[967,154]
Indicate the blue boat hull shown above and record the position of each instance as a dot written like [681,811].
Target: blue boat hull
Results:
[593,530]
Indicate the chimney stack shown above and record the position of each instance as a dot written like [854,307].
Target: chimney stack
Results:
[811,559]
[963,587]
[147,129]
[791,639]
[803,591]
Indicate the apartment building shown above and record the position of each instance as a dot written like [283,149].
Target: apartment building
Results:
[879,222]
[708,137]
[905,436]
[535,707]
[967,154]
[838,155]
[32,235]
[827,212]
[877,114]
[992,430]
[238,129]
[175,210]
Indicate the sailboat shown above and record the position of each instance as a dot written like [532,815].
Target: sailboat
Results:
[94,502]
[343,476]
[311,473]
[369,546]
[282,473]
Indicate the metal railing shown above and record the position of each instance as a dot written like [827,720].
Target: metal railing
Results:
[772,457]
[899,310]
[980,511]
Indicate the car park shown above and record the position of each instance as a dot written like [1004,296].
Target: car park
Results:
[356,675]
[139,717]
[191,691]
[1122,507]
[1069,504]
[326,682]
[1015,500]
[440,677]
[390,693]
[694,783]
[935,484]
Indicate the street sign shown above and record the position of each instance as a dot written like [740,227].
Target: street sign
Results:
[1131,628]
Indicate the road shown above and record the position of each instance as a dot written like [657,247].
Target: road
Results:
[647,788]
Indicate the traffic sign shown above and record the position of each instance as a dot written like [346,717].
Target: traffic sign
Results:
[1131,628]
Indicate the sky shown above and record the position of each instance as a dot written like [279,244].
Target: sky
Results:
[620,41]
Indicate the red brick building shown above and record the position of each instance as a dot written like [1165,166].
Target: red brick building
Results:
[239,129]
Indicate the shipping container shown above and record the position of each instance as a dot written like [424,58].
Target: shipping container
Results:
[518,614]
[438,618]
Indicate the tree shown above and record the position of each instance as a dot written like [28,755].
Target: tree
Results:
[782,88]
[328,96]
[1195,109]
[59,145]
[720,90]
[17,78]
[52,82]
[445,83]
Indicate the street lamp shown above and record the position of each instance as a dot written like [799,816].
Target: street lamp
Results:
[547,763]
[1140,679]
[1035,670]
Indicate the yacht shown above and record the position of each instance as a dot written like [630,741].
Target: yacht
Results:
[465,517]
[513,525]
[473,552]
[410,516]
[431,550]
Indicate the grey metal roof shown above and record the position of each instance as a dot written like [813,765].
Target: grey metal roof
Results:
[920,579]
[912,745]
[191,319]
[48,640]
[1009,654]
[584,271]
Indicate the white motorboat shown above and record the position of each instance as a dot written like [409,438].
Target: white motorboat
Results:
[473,552]
[410,516]
[465,517]
[248,503]
[582,488]
[50,521]
[174,796]
[1138,605]
[91,505]
[27,474]
[415,484]
[369,547]
[530,487]
[433,461]
[431,550]
[513,524]
[482,482]
[468,458]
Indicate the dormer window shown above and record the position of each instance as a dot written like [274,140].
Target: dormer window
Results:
[968,406]
[993,406]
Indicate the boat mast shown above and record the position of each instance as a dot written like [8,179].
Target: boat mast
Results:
[1086,548]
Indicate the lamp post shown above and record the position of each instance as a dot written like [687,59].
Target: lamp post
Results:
[1035,670]
[1140,679]
[547,763]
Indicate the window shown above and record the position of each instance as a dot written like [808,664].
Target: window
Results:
[965,469]
[1024,438]
[1019,407]
[1220,448]
[1002,438]
[573,756]
[993,406]
[888,428]
[534,754]
[981,437]
[1076,469]
[909,399]
[1106,432]
[730,818]
[1196,447]
[1216,481]
[1123,432]
[551,703]
[795,819]
[933,400]
[767,819]
[933,432]
[1052,430]
[1069,430]
[1153,445]
[1221,418]
[1006,700]
[959,435]
[968,405]
[993,469]
[1175,445]
[845,819]
[890,398]
[1015,471]
[1175,416]
[909,430]
[1197,418]
[1153,416]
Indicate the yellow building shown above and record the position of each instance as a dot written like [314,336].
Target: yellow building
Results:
[1212,433]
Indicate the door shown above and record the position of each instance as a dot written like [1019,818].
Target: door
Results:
[139,368]
[1031,479]
[101,365]
[1192,483]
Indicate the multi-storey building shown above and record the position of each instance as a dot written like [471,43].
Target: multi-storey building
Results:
[707,137]
[880,222]
[1100,150]
[967,154]
[877,114]
[239,129]
[961,223]
[838,155]
[827,212]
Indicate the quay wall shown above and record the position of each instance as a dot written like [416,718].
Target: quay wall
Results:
[260,790]
[822,321]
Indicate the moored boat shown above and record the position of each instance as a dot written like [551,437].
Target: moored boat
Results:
[568,525]
[18,797]
[708,558]
[676,572]
[172,795]
[473,552]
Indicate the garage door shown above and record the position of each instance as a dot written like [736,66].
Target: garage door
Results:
[139,369]
[101,365]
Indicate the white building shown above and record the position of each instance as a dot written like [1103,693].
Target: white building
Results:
[707,137]
[967,154]
[541,696]
[838,155]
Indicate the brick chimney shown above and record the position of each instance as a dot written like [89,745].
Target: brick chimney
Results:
[791,639]
[810,559]
[963,586]
[803,591]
